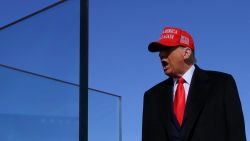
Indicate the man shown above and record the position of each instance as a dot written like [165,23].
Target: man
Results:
[192,104]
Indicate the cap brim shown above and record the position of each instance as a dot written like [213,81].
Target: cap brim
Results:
[157,46]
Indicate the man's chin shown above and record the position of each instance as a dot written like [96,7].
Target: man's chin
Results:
[170,74]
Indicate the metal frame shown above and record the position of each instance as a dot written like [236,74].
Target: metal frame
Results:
[83,113]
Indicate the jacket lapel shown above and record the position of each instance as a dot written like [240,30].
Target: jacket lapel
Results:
[198,92]
[197,96]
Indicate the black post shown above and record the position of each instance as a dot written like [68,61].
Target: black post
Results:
[83,114]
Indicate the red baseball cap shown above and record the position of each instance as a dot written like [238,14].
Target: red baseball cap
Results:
[172,37]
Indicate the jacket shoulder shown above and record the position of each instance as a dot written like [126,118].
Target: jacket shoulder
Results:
[218,74]
[159,86]
[212,73]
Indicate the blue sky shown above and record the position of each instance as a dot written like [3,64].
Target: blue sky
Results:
[119,33]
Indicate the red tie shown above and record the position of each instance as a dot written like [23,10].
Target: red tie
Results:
[179,101]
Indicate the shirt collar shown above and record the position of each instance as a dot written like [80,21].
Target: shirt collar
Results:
[187,75]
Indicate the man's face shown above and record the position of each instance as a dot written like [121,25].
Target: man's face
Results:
[172,60]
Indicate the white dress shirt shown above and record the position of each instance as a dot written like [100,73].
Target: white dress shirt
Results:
[187,77]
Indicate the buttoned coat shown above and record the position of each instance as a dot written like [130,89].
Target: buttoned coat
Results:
[213,109]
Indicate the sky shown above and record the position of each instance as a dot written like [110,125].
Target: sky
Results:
[119,33]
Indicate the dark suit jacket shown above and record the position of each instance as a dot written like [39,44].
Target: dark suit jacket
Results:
[213,109]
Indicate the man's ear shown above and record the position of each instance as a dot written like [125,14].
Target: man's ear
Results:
[187,52]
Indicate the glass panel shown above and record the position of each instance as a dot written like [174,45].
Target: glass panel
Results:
[34,108]
[21,9]
[47,43]
[104,116]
